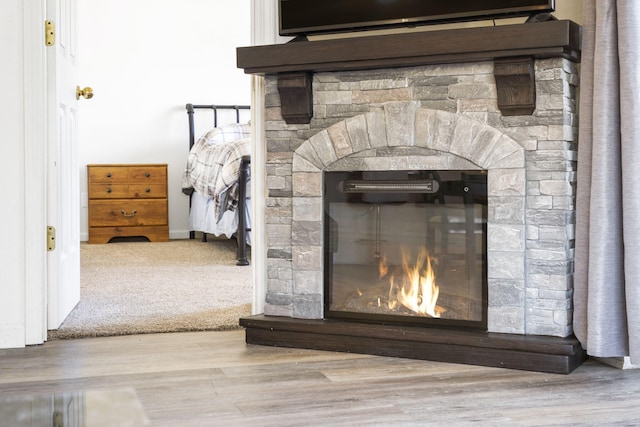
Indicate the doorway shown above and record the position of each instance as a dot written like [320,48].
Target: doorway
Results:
[143,72]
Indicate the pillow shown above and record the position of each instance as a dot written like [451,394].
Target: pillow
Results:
[227,133]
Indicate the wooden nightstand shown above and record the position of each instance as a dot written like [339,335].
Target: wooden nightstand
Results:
[128,200]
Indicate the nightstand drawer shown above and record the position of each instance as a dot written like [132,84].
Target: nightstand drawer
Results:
[122,213]
[148,174]
[110,174]
[108,191]
[122,191]
[144,191]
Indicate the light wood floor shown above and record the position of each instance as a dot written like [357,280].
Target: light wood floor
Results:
[214,378]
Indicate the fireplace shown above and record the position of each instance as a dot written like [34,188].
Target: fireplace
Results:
[371,143]
[406,247]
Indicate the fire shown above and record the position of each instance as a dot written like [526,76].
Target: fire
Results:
[415,288]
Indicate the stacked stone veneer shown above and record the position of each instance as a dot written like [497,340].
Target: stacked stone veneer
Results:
[441,117]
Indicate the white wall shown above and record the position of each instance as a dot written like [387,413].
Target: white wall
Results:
[569,9]
[145,60]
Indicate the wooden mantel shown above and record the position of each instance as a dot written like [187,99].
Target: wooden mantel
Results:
[513,47]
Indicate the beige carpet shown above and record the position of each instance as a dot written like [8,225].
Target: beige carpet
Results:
[141,287]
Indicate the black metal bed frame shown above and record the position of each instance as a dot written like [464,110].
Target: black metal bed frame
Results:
[245,163]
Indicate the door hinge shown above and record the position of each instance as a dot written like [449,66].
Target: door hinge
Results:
[58,419]
[51,238]
[49,33]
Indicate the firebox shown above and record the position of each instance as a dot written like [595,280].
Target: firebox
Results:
[406,247]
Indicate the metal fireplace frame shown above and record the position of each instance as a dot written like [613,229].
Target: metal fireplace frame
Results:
[421,187]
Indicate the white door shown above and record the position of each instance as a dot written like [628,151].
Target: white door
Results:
[63,208]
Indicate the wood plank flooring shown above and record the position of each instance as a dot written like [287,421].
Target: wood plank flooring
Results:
[215,379]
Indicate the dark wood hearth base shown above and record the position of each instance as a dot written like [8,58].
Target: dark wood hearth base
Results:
[526,352]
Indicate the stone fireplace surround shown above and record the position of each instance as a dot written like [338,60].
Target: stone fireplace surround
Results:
[433,116]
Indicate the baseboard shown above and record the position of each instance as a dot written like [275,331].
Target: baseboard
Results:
[173,235]
[617,362]
[178,234]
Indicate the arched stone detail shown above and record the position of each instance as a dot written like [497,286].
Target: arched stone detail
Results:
[402,125]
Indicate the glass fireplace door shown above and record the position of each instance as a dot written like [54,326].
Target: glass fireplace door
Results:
[406,247]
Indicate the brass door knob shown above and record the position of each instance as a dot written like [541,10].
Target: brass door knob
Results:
[87,92]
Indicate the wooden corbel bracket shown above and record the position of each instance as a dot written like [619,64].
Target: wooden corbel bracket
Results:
[296,97]
[516,85]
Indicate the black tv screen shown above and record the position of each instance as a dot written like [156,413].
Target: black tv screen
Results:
[302,17]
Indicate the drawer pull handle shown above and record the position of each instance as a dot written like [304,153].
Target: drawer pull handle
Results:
[109,175]
[147,190]
[147,174]
[125,214]
[108,190]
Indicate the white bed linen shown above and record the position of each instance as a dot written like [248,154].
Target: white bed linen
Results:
[203,219]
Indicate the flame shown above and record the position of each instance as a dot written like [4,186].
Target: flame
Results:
[383,267]
[416,289]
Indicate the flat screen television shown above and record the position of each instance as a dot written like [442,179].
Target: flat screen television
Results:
[304,17]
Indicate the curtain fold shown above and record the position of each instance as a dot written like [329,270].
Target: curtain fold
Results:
[607,267]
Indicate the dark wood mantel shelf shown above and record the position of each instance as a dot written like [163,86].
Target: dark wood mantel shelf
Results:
[540,40]
[296,61]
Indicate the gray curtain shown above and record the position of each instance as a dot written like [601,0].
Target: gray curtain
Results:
[607,264]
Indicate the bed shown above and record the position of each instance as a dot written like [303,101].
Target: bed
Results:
[217,177]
